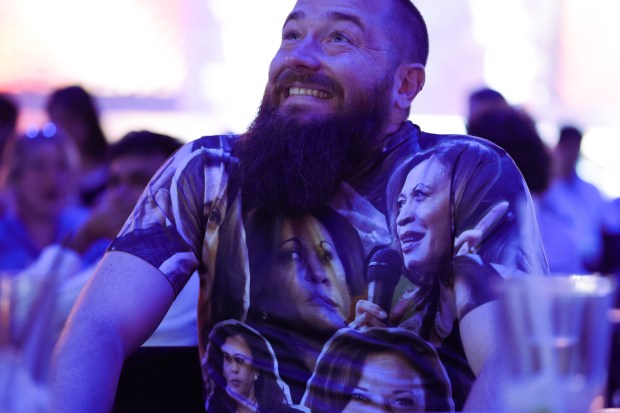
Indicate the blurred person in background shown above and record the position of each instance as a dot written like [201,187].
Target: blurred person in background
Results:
[73,109]
[9,112]
[134,159]
[611,238]
[482,100]
[570,211]
[582,207]
[38,178]
[62,269]
[515,131]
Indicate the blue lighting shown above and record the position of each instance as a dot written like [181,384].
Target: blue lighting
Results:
[49,130]
[32,131]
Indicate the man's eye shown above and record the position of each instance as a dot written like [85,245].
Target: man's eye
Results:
[290,35]
[339,38]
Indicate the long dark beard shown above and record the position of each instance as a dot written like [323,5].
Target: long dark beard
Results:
[294,167]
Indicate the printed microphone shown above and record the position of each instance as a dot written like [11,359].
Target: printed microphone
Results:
[383,273]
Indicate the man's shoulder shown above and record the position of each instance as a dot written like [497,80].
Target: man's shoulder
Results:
[224,142]
[208,160]
[207,150]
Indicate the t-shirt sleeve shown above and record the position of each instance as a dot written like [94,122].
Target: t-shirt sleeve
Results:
[168,224]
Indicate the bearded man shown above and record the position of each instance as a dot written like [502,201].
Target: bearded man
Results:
[331,128]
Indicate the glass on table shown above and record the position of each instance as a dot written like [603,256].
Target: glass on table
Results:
[20,391]
[556,342]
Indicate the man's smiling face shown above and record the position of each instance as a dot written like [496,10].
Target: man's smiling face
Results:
[332,56]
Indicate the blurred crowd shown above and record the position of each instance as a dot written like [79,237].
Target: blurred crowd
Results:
[579,226]
[65,192]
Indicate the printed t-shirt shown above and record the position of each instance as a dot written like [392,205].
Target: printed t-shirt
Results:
[278,292]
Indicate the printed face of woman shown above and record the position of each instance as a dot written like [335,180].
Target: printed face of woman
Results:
[239,370]
[307,283]
[388,384]
[423,219]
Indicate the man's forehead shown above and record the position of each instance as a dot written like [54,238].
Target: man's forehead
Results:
[360,10]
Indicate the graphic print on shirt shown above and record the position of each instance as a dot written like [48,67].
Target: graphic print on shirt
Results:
[457,214]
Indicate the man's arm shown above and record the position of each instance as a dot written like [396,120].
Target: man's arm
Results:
[119,308]
[480,329]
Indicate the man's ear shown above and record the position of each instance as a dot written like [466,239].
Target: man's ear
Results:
[410,79]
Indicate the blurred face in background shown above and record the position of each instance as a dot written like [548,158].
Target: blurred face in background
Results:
[129,175]
[69,124]
[565,158]
[43,184]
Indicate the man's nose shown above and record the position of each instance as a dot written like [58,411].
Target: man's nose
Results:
[305,56]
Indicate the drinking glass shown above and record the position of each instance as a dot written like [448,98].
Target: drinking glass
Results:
[556,342]
[20,391]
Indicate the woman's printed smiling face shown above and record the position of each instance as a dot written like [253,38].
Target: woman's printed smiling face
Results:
[423,219]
